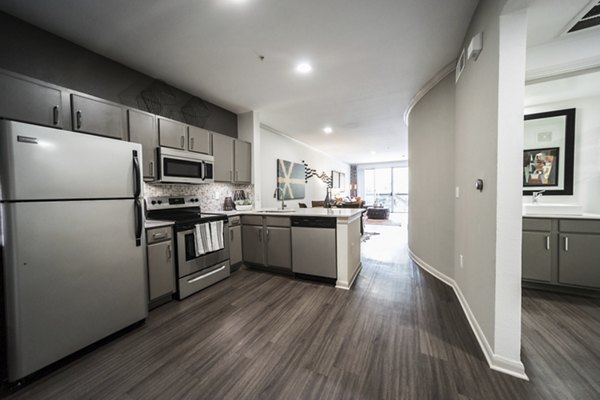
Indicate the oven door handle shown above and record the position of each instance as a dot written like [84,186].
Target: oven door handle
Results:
[207,275]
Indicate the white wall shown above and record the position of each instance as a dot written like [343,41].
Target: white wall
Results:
[274,146]
[586,179]
[488,145]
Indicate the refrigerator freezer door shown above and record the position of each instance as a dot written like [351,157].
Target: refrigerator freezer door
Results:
[73,275]
[38,163]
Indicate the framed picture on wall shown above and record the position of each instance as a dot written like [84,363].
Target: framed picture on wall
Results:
[290,180]
[540,167]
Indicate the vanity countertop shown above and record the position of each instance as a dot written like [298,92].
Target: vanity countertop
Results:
[557,216]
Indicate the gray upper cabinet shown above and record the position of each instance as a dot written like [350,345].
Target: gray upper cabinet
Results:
[242,162]
[97,116]
[199,140]
[537,256]
[223,153]
[279,247]
[29,100]
[579,259]
[172,133]
[142,130]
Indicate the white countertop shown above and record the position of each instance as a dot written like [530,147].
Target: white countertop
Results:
[151,223]
[301,212]
[557,216]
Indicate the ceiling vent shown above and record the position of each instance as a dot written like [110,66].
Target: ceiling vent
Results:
[590,18]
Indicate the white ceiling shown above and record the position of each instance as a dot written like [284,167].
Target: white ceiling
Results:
[563,89]
[369,57]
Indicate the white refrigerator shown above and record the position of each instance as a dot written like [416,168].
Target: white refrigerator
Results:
[72,242]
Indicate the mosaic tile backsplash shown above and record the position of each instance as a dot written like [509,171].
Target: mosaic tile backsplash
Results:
[211,195]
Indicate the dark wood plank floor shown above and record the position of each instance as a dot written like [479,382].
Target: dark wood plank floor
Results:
[399,334]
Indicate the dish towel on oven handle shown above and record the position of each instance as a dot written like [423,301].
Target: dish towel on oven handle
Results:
[200,247]
[216,229]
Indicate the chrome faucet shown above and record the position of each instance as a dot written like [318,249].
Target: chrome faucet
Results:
[280,190]
[537,195]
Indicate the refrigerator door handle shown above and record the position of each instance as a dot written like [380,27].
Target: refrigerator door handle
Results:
[137,187]
[138,222]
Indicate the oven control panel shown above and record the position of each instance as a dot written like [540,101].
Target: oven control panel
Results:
[165,203]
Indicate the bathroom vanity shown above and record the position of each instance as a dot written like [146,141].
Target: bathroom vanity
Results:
[562,253]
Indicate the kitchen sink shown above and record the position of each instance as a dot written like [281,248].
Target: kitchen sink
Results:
[552,209]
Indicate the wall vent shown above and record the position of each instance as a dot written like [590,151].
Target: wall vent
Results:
[590,18]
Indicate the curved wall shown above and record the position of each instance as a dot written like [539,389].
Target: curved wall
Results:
[431,177]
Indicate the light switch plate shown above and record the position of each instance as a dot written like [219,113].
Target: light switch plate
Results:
[457,192]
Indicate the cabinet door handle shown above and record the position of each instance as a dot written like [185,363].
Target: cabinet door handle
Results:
[268,234]
[168,252]
[78,118]
[159,235]
[191,143]
[547,242]
[566,243]
[231,235]
[237,175]
[55,114]
[183,142]
[151,164]
[260,235]
[230,175]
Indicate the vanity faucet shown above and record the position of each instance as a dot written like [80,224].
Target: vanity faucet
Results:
[537,195]
[280,190]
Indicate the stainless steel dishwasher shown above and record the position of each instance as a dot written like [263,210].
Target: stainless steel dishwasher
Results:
[314,246]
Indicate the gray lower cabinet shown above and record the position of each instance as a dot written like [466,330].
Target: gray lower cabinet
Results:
[172,133]
[161,266]
[253,249]
[235,245]
[279,247]
[561,252]
[267,241]
[98,117]
[199,140]
[29,100]
[537,256]
[579,259]
[142,130]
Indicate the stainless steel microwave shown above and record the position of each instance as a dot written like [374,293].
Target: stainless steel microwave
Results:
[178,166]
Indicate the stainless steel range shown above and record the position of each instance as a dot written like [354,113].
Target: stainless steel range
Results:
[201,244]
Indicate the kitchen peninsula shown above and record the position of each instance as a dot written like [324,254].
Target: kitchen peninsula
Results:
[308,241]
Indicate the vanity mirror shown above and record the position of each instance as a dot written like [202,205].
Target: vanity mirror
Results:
[548,152]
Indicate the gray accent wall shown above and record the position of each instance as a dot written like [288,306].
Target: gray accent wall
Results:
[31,51]
[431,177]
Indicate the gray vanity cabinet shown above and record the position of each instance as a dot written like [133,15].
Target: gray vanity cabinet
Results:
[142,130]
[561,253]
[172,133]
[28,100]
[537,256]
[579,259]
[253,248]
[199,140]
[98,117]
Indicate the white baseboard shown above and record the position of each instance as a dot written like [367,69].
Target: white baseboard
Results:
[495,361]
[345,285]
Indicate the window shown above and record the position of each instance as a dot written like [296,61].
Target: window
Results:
[388,187]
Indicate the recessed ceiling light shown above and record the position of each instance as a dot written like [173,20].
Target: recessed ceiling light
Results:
[328,129]
[303,68]
[373,152]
